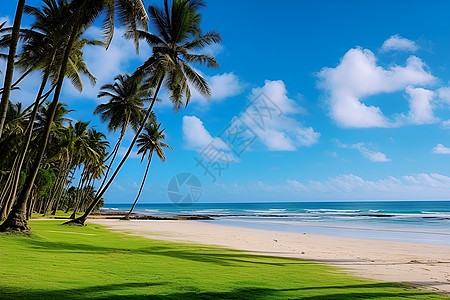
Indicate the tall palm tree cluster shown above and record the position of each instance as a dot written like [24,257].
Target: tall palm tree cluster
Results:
[48,162]
[72,147]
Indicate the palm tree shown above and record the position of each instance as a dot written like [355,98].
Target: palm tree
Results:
[177,44]
[90,150]
[83,13]
[124,108]
[148,142]
[10,64]
[40,51]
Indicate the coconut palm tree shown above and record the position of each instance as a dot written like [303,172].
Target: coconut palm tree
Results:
[90,150]
[40,51]
[177,45]
[149,142]
[132,14]
[124,108]
[10,64]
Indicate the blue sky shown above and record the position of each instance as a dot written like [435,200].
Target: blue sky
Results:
[362,86]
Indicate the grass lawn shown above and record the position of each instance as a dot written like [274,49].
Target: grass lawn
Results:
[61,262]
[60,214]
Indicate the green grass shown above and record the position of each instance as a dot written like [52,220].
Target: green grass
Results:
[60,214]
[61,262]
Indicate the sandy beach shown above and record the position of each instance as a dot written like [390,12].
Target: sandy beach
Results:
[424,265]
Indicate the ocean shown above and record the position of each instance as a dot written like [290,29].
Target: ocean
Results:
[406,221]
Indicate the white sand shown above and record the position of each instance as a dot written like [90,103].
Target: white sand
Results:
[420,264]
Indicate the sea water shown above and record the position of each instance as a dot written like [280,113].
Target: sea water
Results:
[406,221]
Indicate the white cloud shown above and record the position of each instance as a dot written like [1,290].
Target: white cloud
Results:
[398,43]
[7,20]
[195,135]
[107,64]
[269,119]
[420,107]
[445,124]
[416,186]
[444,94]
[343,187]
[222,87]
[278,130]
[440,149]
[28,87]
[374,156]
[358,76]
[123,150]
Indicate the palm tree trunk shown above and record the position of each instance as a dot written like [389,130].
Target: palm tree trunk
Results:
[5,197]
[57,187]
[29,129]
[77,195]
[17,218]
[10,187]
[81,220]
[10,65]
[57,199]
[115,150]
[8,182]
[127,216]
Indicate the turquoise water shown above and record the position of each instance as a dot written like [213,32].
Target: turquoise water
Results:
[407,221]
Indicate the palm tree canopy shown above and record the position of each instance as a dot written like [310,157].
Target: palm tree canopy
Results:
[178,43]
[126,102]
[43,43]
[130,14]
[151,140]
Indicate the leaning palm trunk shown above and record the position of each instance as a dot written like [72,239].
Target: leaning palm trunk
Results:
[5,197]
[81,220]
[10,188]
[127,216]
[10,64]
[77,195]
[58,184]
[30,126]
[114,153]
[80,195]
[17,218]
[54,201]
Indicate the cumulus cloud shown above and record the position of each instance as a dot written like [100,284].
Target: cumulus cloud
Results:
[222,87]
[420,107]
[444,94]
[123,149]
[106,64]
[344,187]
[6,20]
[271,118]
[357,77]
[445,124]
[440,149]
[374,156]
[398,43]
[415,186]
[197,137]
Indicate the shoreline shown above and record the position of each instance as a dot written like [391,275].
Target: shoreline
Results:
[422,265]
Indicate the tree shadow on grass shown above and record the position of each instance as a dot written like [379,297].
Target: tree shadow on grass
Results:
[146,291]
[223,257]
